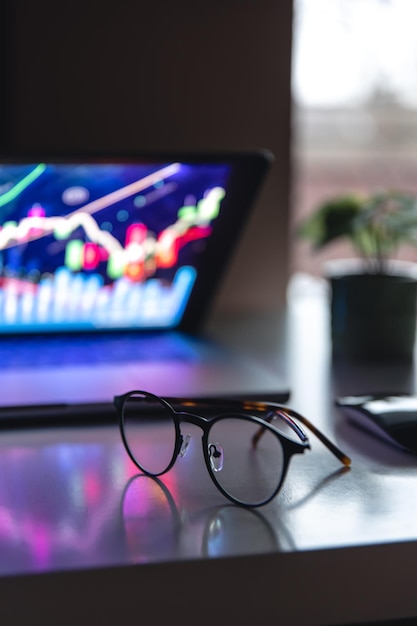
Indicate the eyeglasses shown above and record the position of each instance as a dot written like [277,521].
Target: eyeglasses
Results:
[247,445]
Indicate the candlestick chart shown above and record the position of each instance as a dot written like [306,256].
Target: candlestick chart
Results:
[120,252]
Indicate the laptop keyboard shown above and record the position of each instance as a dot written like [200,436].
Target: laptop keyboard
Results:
[90,350]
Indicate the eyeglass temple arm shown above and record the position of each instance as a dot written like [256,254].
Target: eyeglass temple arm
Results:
[343,458]
[284,412]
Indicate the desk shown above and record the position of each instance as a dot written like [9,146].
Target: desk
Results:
[84,539]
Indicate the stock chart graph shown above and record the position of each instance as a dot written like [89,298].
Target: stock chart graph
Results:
[103,244]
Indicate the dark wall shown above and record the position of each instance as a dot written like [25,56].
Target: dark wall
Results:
[130,74]
[7,94]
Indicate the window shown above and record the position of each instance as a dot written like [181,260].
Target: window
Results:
[355,106]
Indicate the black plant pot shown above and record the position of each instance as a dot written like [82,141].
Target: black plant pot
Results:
[373,316]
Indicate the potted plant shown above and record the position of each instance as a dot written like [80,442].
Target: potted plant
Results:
[373,305]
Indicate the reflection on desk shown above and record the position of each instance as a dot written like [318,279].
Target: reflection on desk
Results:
[156,528]
[72,498]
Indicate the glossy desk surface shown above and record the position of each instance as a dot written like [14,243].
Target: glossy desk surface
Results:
[84,537]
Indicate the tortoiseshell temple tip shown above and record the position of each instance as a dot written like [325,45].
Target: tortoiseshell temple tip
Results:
[346,460]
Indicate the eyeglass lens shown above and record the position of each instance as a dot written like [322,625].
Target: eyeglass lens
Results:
[150,432]
[250,474]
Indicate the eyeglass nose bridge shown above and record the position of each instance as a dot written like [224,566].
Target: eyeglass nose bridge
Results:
[184,441]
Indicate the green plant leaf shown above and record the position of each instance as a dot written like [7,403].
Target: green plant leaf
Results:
[334,219]
[376,225]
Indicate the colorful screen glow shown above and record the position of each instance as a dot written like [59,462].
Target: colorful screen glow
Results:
[103,245]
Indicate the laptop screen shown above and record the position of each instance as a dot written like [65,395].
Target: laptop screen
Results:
[109,243]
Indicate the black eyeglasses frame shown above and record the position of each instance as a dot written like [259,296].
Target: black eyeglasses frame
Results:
[290,446]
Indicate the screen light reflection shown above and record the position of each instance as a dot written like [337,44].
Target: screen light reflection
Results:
[71,503]
[57,501]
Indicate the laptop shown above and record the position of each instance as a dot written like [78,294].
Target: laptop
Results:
[108,267]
